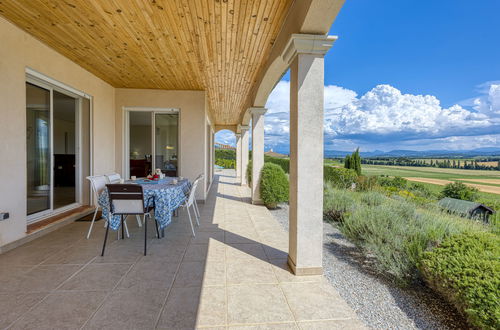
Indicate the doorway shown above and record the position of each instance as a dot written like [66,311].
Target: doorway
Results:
[151,142]
[57,140]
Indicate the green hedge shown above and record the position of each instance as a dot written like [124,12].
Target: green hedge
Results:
[284,163]
[249,173]
[465,269]
[225,154]
[339,177]
[273,185]
[226,163]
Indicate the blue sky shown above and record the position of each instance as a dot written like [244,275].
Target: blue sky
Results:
[406,75]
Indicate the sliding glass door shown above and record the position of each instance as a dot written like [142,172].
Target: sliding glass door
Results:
[152,142]
[166,138]
[54,143]
[38,148]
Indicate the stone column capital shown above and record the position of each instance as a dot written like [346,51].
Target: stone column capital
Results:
[257,110]
[307,44]
[242,128]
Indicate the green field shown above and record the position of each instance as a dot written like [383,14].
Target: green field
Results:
[475,177]
[451,174]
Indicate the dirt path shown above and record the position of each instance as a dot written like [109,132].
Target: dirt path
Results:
[481,187]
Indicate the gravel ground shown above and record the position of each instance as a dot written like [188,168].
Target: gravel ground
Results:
[379,303]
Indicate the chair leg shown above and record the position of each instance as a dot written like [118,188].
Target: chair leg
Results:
[196,207]
[92,223]
[145,234]
[126,228]
[157,230]
[121,219]
[138,218]
[105,239]
[190,220]
[196,213]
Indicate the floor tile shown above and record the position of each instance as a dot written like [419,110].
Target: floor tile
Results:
[315,301]
[42,278]
[212,308]
[259,303]
[61,310]
[149,275]
[190,274]
[97,277]
[129,309]
[181,309]
[215,273]
[333,325]
[13,305]
[247,251]
[196,252]
[267,326]
[74,255]
[249,271]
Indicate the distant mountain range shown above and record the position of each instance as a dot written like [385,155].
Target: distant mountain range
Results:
[479,152]
[489,151]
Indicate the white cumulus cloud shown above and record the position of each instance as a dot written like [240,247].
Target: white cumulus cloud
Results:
[386,118]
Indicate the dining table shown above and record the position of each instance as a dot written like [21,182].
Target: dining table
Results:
[166,195]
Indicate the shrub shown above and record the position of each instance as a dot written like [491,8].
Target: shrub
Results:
[459,190]
[273,185]
[397,234]
[465,270]
[282,162]
[339,177]
[420,190]
[365,183]
[396,182]
[337,203]
[249,173]
[226,163]
[373,198]
[225,154]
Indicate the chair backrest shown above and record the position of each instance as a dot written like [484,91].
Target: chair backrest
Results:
[192,193]
[126,198]
[113,177]
[98,183]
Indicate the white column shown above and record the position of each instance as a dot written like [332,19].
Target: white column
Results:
[238,155]
[257,151]
[244,153]
[305,54]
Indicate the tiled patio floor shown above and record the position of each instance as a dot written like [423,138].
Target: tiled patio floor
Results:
[232,274]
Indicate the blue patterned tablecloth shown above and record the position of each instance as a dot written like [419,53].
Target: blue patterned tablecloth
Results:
[167,197]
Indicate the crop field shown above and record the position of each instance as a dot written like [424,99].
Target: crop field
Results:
[485,181]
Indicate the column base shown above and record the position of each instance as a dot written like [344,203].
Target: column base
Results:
[304,271]
[257,202]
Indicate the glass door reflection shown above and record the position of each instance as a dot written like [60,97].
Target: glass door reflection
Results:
[38,148]
[166,142]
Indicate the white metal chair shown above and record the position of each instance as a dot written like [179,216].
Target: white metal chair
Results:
[196,209]
[190,203]
[115,178]
[98,184]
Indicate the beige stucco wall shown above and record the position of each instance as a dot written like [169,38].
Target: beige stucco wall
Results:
[192,123]
[19,50]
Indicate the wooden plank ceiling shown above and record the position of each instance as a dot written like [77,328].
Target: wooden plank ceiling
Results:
[213,45]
